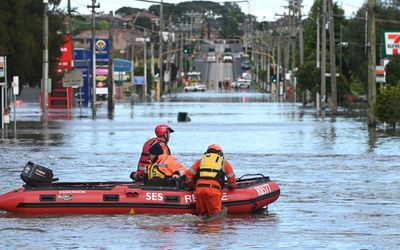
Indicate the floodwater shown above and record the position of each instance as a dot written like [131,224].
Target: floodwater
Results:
[339,182]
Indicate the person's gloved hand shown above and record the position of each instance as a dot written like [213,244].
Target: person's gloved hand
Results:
[138,175]
[132,175]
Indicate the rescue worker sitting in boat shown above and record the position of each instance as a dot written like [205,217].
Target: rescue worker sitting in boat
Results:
[209,174]
[162,132]
[164,168]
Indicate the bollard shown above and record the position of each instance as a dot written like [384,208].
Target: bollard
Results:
[183,117]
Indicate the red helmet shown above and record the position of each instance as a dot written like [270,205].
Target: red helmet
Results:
[162,129]
[215,148]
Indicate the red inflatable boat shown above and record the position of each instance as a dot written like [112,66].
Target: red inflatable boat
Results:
[253,193]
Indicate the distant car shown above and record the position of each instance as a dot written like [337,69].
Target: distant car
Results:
[195,87]
[211,57]
[227,50]
[245,83]
[227,57]
[245,65]
[235,84]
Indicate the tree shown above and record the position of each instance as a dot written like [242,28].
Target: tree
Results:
[387,105]
[143,22]
[393,71]
[125,11]
[308,77]
[21,34]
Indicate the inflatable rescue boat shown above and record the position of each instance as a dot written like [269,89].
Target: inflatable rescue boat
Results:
[41,195]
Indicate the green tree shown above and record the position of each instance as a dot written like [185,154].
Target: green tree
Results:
[21,34]
[387,105]
[309,77]
[143,21]
[125,11]
[393,71]
[102,25]
[231,20]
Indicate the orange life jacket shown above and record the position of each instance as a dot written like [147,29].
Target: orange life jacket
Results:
[165,166]
[144,160]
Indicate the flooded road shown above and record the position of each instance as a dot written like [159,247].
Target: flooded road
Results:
[339,182]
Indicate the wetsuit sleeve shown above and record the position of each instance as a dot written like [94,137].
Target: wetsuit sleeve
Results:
[177,167]
[191,172]
[230,175]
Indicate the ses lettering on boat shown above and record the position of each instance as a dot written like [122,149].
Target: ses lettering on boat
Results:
[188,198]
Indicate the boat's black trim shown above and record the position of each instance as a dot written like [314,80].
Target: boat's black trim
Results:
[47,197]
[259,198]
[110,197]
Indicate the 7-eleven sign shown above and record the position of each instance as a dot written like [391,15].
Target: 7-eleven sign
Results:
[392,43]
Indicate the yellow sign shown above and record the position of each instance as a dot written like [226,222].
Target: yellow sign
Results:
[100,44]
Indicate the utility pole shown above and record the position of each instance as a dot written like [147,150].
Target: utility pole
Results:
[323,59]
[278,80]
[168,65]
[160,61]
[93,7]
[71,34]
[145,65]
[152,60]
[45,77]
[318,41]
[301,39]
[181,70]
[340,48]
[371,63]
[133,55]
[110,98]
[332,60]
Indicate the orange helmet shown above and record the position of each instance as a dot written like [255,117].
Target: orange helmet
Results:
[162,129]
[215,148]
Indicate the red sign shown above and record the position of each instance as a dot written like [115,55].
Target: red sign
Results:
[64,62]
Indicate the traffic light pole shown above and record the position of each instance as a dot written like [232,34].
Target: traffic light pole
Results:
[158,86]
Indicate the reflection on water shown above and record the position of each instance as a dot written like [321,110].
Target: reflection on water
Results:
[339,180]
[372,137]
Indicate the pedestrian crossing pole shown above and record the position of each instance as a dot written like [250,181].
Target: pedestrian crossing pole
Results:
[45,77]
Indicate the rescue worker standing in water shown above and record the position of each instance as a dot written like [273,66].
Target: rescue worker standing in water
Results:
[209,176]
[163,168]
[162,132]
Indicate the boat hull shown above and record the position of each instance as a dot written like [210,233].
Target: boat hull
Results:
[127,198]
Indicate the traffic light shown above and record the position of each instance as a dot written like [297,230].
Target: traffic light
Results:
[274,79]
[156,72]
[186,50]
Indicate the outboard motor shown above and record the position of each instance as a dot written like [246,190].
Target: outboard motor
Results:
[35,175]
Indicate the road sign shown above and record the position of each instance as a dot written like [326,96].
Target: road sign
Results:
[142,39]
[2,71]
[15,85]
[380,74]
[73,78]
[138,80]
[122,65]
[329,74]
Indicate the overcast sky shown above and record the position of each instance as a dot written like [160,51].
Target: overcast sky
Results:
[262,9]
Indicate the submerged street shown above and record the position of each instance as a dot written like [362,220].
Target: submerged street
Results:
[339,182]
